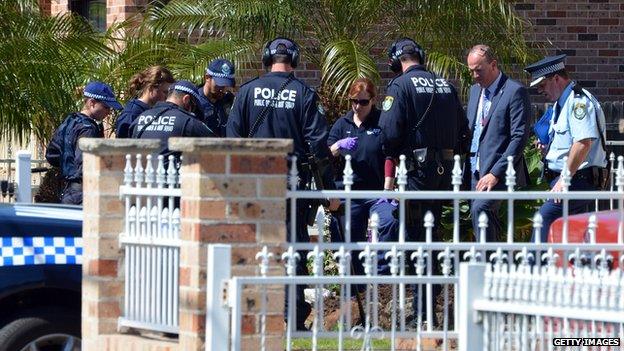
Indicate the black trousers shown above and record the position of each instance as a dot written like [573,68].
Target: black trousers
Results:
[430,175]
[72,193]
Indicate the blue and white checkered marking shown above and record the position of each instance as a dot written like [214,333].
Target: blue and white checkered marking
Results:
[22,251]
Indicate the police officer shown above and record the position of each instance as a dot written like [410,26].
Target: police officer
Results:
[278,105]
[214,99]
[172,118]
[577,131]
[63,150]
[423,119]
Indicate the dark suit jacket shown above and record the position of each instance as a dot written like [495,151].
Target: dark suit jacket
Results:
[504,132]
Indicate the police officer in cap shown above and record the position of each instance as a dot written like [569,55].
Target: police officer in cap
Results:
[172,118]
[278,105]
[423,119]
[577,131]
[63,150]
[214,98]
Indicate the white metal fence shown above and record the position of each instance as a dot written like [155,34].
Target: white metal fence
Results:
[410,263]
[20,177]
[151,244]
[522,307]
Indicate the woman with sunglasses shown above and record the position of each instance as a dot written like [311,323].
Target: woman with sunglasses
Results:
[358,134]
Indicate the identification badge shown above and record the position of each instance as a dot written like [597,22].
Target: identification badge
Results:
[387,104]
[580,110]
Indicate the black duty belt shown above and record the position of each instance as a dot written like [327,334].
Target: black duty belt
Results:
[440,154]
[585,173]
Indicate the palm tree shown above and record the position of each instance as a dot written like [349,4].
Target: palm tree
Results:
[43,60]
[340,36]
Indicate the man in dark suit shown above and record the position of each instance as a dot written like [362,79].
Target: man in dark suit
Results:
[498,112]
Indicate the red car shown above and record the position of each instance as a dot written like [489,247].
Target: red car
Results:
[606,231]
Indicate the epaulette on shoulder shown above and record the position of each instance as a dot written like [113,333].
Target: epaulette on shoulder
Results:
[578,90]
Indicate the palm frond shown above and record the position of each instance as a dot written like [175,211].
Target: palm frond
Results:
[343,62]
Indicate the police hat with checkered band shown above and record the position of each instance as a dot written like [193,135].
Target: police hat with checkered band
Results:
[545,68]
[103,93]
[186,87]
[222,71]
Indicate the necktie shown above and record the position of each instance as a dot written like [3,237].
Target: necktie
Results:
[485,107]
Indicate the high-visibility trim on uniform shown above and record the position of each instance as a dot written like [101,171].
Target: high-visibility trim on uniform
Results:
[219,74]
[37,250]
[187,90]
[99,97]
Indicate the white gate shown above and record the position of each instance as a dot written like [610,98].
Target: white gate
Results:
[151,244]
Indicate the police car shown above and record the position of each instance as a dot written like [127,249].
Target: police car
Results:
[40,277]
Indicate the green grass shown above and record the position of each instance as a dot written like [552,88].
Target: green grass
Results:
[332,344]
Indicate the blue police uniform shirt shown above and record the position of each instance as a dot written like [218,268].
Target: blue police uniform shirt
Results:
[296,114]
[214,115]
[167,120]
[367,160]
[130,112]
[576,121]
[63,150]
[408,96]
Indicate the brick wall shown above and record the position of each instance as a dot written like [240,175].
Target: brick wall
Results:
[591,32]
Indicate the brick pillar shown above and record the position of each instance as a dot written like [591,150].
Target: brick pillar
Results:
[103,211]
[233,191]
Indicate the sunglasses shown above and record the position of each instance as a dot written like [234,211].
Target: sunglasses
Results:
[362,102]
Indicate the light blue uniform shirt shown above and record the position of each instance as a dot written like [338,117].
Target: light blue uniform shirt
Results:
[576,122]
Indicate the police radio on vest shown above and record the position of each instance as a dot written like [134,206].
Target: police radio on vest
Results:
[267,93]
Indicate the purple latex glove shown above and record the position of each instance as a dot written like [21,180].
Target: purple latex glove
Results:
[347,143]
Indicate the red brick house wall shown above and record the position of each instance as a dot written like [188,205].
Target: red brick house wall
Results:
[590,32]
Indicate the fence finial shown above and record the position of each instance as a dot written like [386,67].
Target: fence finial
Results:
[483,224]
[293,174]
[498,257]
[429,224]
[592,225]
[291,257]
[602,261]
[374,225]
[538,223]
[565,175]
[393,255]
[264,256]
[149,171]
[320,223]
[419,258]
[368,258]
[510,174]
[138,171]
[402,178]
[343,256]
[577,258]
[447,261]
[550,257]
[619,174]
[524,257]
[317,257]
[128,171]
[171,172]
[161,173]
[347,174]
[456,174]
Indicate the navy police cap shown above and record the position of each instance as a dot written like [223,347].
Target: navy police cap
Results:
[544,67]
[186,87]
[103,93]
[222,71]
